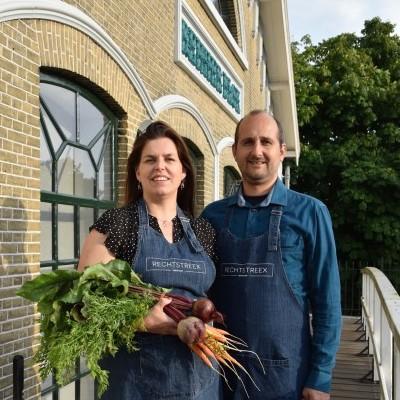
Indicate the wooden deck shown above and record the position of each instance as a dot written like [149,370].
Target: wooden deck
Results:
[352,374]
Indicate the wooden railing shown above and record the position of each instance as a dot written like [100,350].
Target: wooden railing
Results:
[381,317]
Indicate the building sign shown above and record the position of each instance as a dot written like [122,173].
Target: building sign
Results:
[199,56]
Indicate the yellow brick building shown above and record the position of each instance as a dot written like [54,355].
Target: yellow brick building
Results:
[78,79]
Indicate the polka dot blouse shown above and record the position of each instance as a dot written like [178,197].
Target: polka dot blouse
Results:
[121,226]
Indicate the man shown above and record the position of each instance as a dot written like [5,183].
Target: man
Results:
[277,264]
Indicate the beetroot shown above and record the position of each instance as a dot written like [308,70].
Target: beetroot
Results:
[205,310]
[191,330]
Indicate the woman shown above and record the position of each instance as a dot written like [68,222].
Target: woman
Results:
[155,234]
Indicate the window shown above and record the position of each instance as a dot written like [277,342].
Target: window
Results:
[198,169]
[232,181]
[77,175]
[226,8]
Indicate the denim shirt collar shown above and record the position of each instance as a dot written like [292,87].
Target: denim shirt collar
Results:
[277,195]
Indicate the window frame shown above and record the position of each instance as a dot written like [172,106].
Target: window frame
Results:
[55,199]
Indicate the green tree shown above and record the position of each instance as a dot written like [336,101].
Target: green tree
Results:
[348,101]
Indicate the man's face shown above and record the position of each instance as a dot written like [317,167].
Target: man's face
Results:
[258,152]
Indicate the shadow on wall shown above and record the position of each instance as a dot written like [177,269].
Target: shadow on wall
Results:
[17,315]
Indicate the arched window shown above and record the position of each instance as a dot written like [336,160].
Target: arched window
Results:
[198,166]
[232,181]
[77,180]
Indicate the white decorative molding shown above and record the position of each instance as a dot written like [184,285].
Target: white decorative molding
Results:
[222,144]
[239,53]
[263,78]
[176,101]
[59,11]
[260,48]
[255,18]
[223,73]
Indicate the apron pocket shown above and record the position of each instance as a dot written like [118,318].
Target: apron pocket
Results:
[169,370]
[275,383]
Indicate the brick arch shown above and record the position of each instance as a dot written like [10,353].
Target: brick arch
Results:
[76,56]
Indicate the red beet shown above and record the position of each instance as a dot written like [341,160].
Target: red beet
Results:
[205,310]
[191,330]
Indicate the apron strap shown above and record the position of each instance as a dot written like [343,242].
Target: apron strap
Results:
[142,213]
[274,223]
[188,231]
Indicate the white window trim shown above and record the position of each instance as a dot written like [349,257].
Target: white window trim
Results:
[260,48]
[263,77]
[256,14]
[239,53]
[183,11]
[221,145]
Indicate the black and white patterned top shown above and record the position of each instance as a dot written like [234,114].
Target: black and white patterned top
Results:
[121,227]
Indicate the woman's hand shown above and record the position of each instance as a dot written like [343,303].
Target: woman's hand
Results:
[157,321]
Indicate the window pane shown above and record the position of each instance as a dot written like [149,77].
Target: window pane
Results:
[55,137]
[61,104]
[97,148]
[66,267]
[65,172]
[48,396]
[86,220]
[83,365]
[46,383]
[105,175]
[67,392]
[45,232]
[91,120]
[84,174]
[87,388]
[231,181]
[45,164]
[76,174]
[65,232]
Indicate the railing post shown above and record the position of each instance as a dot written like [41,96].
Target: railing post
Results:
[396,372]
[18,377]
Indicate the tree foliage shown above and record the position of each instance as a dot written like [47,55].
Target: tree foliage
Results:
[348,101]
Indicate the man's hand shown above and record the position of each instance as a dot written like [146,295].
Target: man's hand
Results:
[312,394]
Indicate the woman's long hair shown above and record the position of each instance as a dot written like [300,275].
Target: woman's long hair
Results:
[157,130]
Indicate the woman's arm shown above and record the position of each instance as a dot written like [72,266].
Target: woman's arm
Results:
[94,250]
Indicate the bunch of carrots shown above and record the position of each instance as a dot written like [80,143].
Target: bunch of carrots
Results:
[209,343]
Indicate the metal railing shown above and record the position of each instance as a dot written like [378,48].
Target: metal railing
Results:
[381,318]
[350,279]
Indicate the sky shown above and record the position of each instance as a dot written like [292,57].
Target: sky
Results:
[322,19]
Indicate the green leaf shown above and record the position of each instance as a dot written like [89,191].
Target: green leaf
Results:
[49,285]
[100,274]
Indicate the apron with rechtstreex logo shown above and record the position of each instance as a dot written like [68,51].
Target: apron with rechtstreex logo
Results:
[164,367]
[253,293]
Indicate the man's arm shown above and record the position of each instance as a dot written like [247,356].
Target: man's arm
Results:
[324,298]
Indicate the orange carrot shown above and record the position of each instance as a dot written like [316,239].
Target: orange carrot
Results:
[206,350]
[201,354]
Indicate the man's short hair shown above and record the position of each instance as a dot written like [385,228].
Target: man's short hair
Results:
[281,135]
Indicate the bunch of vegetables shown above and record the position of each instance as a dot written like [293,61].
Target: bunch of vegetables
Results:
[91,314]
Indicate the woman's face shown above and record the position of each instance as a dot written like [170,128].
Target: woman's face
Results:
[160,170]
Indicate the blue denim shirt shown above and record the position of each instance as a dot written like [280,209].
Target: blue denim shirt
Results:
[309,260]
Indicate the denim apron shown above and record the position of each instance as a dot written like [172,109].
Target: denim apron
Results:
[253,293]
[164,367]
